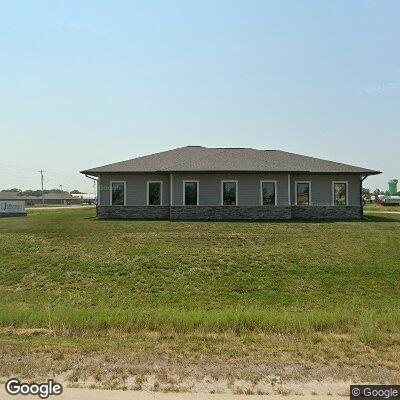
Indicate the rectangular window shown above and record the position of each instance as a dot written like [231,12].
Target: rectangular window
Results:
[118,193]
[268,193]
[190,193]
[340,193]
[303,190]
[154,193]
[229,193]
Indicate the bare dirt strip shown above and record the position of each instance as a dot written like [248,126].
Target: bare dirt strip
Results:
[97,394]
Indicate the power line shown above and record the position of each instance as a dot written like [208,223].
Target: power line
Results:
[17,177]
[17,167]
[73,180]
[76,178]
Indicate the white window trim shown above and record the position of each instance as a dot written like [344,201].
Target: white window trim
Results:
[333,191]
[222,192]
[295,192]
[111,185]
[261,191]
[148,193]
[183,190]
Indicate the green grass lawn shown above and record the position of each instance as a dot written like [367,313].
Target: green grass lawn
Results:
[62,265]
[67,272]
[370,208]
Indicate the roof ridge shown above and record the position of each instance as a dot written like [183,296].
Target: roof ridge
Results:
[194,159]
[263,161]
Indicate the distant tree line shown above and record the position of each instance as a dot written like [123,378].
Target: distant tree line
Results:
[38,192]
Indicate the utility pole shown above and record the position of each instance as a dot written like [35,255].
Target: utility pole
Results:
[41,177]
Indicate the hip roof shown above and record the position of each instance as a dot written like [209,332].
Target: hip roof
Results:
[203,159]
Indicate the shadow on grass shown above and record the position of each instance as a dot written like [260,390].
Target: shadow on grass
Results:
[367,218]
[380,218]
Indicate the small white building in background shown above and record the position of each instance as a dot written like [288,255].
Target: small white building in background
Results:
[89,198]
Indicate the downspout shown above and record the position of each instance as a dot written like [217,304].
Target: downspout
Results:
[361,197]
[91,177]
[98,197]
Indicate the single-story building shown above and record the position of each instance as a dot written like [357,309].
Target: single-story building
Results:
[59,198]
[85,198]
[49,198]
[15,196]
[197,182]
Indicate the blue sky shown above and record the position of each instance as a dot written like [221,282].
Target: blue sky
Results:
[85,83]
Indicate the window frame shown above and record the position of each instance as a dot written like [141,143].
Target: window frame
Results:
[333,193]
[309,193]
[184,193]
[111,191]
[236,194]
[148,194]
[261,192]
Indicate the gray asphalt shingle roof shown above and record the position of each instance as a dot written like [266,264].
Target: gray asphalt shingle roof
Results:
[203,159]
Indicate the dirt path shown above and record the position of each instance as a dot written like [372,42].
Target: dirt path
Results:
[96,394]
